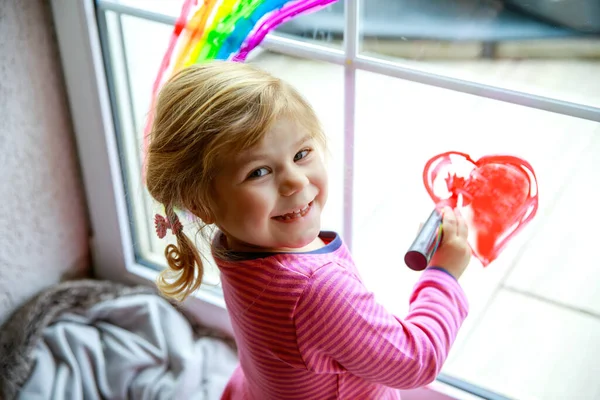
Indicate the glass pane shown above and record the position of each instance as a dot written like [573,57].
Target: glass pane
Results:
[534,312]
[324,27]
[134,65]
[549,48]
[133,68]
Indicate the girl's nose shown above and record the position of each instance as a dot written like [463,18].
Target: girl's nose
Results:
[293,182]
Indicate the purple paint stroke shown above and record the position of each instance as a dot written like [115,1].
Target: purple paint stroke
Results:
[275,19]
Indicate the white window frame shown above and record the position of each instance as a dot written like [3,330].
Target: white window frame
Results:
[112,247]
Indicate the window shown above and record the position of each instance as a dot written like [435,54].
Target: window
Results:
[395,82]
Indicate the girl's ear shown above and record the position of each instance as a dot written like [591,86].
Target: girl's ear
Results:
[204,214]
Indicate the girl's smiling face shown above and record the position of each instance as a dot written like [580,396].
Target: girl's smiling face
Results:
[270,197]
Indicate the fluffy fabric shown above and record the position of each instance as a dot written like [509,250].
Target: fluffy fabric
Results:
[97,339]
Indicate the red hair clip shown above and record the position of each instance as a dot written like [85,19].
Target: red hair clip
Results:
[162,224]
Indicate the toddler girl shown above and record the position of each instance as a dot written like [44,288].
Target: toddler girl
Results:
[243,151]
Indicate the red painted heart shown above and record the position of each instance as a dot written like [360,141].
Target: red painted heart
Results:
[497,195]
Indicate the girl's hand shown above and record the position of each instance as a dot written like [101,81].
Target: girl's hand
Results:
[454,252]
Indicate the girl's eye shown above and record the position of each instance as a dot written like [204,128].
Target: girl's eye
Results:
[301,154]
[258,173]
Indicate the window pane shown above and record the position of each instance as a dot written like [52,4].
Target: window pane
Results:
[535,311]
[549,48]
[134,65]
[133,68]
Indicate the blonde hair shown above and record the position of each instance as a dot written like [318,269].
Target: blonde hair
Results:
[203,114]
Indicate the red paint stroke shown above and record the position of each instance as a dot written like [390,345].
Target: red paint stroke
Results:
[499,198]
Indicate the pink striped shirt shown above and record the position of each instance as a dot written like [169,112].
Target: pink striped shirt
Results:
[307,328]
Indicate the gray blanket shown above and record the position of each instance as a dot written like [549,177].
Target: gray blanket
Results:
[101,340]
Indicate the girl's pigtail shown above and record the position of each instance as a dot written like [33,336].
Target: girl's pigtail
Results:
[185,271]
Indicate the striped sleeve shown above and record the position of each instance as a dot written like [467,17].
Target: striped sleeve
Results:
[341,327]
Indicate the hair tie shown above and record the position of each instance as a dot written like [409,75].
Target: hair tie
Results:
[162,224]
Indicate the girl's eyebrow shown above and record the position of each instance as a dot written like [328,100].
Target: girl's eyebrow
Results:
[304,139]
[250,156]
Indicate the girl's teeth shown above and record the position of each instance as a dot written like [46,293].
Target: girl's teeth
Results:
[295,214]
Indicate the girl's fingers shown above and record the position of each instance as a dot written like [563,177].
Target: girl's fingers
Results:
[449,222]
[462,227]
